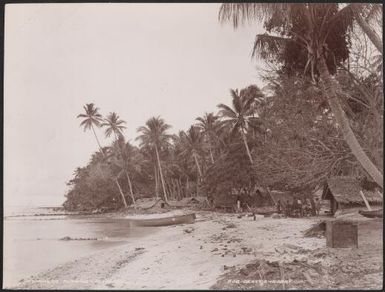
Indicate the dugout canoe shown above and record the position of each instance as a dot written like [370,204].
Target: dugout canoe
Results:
[372,214]
[165,221]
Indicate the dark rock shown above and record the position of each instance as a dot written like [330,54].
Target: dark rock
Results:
[244,272]
[66,238]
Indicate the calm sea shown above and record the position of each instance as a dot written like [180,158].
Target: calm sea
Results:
[32,243]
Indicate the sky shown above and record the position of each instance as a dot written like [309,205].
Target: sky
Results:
[139,60]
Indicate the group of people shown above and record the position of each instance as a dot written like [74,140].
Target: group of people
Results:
[297,207]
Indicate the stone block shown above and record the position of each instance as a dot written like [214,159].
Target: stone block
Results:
[341,234]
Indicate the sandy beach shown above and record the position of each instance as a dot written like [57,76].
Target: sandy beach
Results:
[163,260]
[197,256]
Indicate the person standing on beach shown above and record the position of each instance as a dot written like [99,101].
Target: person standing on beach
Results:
[287,208]
[279,206]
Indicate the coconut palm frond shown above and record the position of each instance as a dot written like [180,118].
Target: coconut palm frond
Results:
[239,13]
[267,46]
[226,111]
[91,117]
[343,17]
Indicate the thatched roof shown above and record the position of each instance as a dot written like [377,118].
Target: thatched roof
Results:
[225,200]
[346,190]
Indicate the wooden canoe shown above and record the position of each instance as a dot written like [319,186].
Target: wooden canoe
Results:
[372,214]
[172,220]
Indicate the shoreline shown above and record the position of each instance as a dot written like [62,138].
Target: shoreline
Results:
[163,260]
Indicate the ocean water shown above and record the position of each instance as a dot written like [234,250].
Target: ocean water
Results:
[32,244]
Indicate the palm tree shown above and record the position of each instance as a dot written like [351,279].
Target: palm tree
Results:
[114,125]
[316,30]
[154,135]
[192,144]
[150,158]
[123,153]
[91,118]
[209,125]
[239,116]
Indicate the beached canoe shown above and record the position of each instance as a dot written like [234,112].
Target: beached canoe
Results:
[172,220]
[372,214]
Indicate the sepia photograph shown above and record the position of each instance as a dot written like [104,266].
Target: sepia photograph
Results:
[204,146]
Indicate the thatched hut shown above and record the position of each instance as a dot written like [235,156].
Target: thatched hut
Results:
[344,192]
[225,202]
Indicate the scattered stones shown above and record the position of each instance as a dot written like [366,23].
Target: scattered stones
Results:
[246,250]
[189,230]
[277,216]
[66,238]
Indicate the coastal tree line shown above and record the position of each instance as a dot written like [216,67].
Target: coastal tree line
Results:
[320,114]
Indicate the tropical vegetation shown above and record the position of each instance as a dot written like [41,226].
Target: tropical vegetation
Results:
[319,114]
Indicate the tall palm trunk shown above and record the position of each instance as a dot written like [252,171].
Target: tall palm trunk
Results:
[210,150]
[343,122]
[104,155]
[128,179]
[372,35]
[156,182]
[211,154]
[130,186]
[97,141]
[197,164]
[121,192]
[187,187]
[161,173]
[246,146]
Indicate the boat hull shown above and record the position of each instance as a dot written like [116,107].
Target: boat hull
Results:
[172,220]
[372,213]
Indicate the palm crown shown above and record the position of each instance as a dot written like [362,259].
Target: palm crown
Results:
[209,124]
[192,140]
[239,115]
[113,124]
[154,133]
[91,117]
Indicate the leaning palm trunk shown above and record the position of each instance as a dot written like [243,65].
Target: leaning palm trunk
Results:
[372,35]
[246,146]
[343,122]
[161,173]
[156,182]
[121,192]
[97,140]
[211,150]
[211,154]
[197,164]
[130,186]
[128,180]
